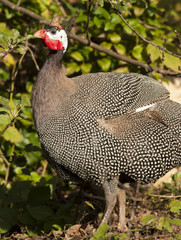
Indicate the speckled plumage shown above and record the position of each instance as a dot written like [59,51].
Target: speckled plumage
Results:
[95,134]
[141,147]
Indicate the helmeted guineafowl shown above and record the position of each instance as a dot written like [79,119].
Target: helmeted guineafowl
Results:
[96,127]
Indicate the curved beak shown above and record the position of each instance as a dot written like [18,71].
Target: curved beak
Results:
[40,34]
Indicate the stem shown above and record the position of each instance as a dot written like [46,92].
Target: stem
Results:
[162,49]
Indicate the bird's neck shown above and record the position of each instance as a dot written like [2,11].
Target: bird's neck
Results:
[54,59]
[51,89]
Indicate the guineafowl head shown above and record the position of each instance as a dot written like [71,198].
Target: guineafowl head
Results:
[53,36]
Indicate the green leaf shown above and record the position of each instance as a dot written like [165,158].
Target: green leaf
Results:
[178,236]
[4,102]
[104,63]
[29,36]
[120,49]
[176,221]
[19,191]
[160,223]
[21,49]
[137,26]
[72,67]
[127,29]
[102,13]
[4,75]
[98,22]
[89,204]
[40,212]
[25,100]
[109,26]
[175,206]
[12,134]
[5,39]
[115,18]
[77,56]
[118,6]
[154,22]
[15,35]
[50,225]
[101,2]
[35,177]
[106,45]
[177,177]
[137,52]
[4,119]
[148,219]
[81,18]
[39,195]
[7,218]
[86,67]
[26,218]
[101,232]
[9,14]
[154,52]
[138,11]
[4,226]
[167,225]
[31,231]
[171,62]
[114,37]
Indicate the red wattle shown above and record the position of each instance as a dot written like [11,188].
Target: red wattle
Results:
[53,44]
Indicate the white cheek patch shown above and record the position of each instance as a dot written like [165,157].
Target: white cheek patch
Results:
[145,107]
[61,36]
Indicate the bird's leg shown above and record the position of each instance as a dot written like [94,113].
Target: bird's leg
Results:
[121,195]
[110,191]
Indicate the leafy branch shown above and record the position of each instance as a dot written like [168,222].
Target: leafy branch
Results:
[9,43]
[162,49]
[109,52]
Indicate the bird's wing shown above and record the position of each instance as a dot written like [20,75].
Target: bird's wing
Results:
[115,94]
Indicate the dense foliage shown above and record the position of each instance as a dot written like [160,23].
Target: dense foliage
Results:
[26,193]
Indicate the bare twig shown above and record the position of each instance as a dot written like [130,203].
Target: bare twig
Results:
[94,197]
[89,3]
[61,8]
[24,10]
[6,52]
[44,168]
[14,74]
[7,162]
[33,57]
[147,26]
[8,125]
[18,3]
[164,196]
[178,37]
[147,41]
[8,166]
[7,174]
[94,45]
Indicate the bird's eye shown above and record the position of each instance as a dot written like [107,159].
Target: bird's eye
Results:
[53,32]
